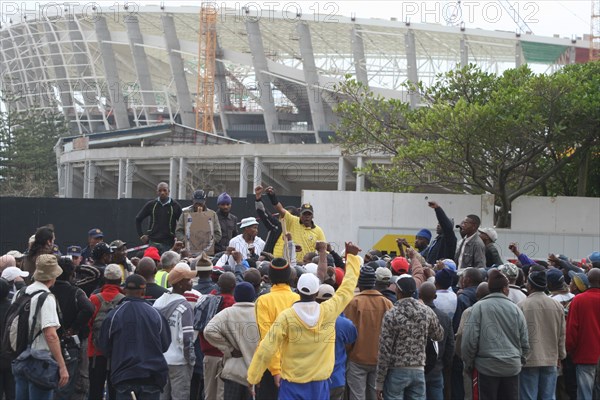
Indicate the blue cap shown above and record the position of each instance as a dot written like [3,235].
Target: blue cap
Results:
[56,250]
[95,233]
[424,233]
[74,251]
[199,196]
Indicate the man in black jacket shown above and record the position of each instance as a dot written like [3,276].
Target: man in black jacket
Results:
[164,213]
[76,310]
[444,244]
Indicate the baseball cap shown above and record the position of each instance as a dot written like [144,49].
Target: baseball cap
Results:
[581,280]
[198,196]
[406,283]
[56,250]
[180,272]
[325,292]
[449,263]
[400,265]
[113,272]
[308,284]
[135,281]
[95,233]
[490,232]
[117,244]
[383,274]
[74,251]
[249,221]
[100,249]
[16,254]
[306,207]
[11,273]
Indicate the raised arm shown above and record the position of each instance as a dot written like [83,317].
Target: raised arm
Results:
[275,201]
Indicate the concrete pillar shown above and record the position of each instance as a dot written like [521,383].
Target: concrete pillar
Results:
[464,53]
[342,171]
[259,61]
[411,61]
[311,77]
[174,183]
[258,168]
[111,73]
[129,174]
[183,169]
[360,61]
[89,180]
[141,65]
[121,179]
[360,178]
[243,177]
[572,55]
[518,54]
[186,109]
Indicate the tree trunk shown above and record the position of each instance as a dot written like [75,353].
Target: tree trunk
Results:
[503,214]
[582,179]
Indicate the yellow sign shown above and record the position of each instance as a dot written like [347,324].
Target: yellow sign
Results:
[387,244]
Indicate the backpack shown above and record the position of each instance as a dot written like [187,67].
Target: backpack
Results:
[105,307]
[15,333]
[431,355]
[206,310]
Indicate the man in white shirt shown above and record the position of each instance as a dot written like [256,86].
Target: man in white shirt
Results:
[248,243]
[180,315]
[46,272]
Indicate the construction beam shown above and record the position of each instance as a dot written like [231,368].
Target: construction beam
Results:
[412,71]
[111,73]
[259,60]
[360,61]
[140,62]
[186,109]
[315,101]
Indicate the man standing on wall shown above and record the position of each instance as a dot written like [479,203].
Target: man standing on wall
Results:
[227,220]
[164,213]
[198,227]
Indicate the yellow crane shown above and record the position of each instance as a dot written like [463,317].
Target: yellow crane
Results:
[207,49]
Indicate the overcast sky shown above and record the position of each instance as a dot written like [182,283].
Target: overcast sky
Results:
[567,18]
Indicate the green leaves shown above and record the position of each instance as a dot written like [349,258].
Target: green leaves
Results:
[502,134]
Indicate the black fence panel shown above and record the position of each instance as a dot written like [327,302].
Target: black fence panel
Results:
[73,218]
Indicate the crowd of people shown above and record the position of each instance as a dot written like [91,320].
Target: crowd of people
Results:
[204,308]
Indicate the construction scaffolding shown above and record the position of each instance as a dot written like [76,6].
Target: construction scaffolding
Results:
[595,31]
[207,49]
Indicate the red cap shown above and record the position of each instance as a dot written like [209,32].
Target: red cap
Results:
[152,252]
[399,265]
[339,276]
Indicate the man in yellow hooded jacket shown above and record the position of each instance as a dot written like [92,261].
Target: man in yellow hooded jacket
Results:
[304,335]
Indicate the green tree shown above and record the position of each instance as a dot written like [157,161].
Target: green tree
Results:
[28,165]
[478,133]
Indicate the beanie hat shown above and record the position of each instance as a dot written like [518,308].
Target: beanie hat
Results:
[279,271]
[509,269]
[400,265]
[151,252]
[244,292]
[556,279]
[537,279]
[496,281]
[366,279]
[444,278]
[224,198]
[424,233]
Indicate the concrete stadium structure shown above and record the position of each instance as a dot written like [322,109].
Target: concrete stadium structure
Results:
[126,80]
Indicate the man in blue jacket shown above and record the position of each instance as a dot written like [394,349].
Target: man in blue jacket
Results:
[136,365]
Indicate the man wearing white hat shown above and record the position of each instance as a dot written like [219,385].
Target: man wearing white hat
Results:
[14,276]
[492,254]
[248,243]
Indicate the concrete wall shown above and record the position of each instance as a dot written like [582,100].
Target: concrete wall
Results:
[541,225]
